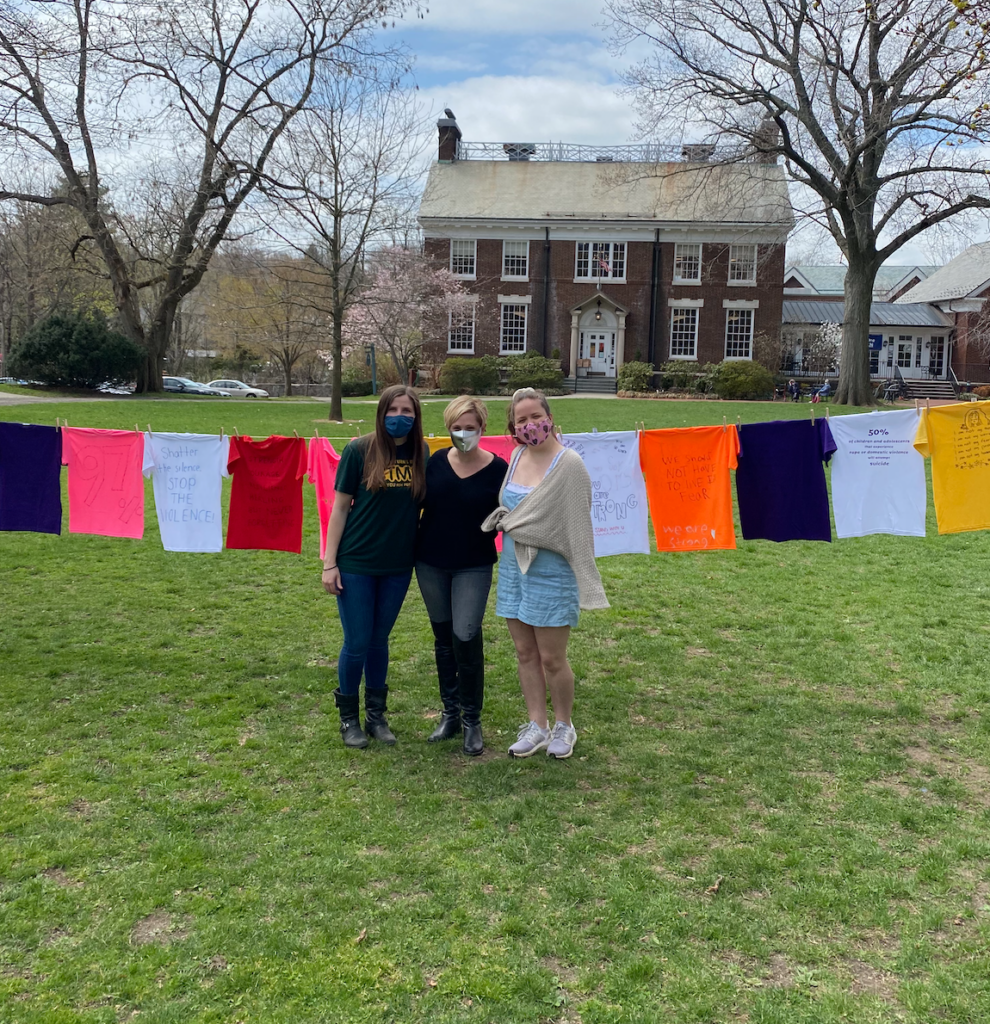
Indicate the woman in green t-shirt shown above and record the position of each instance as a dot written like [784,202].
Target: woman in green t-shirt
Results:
[371,545]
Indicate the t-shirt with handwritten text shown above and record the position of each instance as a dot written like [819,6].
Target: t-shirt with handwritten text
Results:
[186,471]
[106,489]
[957,438]
[266,502]
[688,486]
[878,479]
[380,534]
[618,493]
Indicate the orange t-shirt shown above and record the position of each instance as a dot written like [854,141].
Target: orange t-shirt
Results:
[688,486]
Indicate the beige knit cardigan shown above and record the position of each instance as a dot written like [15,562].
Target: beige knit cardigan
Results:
[555,515]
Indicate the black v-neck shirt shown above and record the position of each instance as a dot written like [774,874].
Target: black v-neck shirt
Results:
[450,534]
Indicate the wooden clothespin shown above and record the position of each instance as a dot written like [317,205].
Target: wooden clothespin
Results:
[725,425]
[917,405]
[235,434]
[149,428]
[812,415]
[738,422]
[928,405]
[137,429]
[826,412]
[296,432]
[317,429]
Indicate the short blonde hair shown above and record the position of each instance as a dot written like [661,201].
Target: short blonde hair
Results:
[521,396]
[462,405]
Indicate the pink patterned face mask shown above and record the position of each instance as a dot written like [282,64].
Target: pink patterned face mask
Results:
[534,432]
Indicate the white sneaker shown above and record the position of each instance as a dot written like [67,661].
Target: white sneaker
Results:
[531,739]
[562,740]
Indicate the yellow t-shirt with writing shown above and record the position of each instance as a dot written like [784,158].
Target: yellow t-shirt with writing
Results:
[957,439]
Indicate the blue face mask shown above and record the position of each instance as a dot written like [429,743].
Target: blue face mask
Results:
[398,426]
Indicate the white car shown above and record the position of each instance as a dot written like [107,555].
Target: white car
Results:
[237,389]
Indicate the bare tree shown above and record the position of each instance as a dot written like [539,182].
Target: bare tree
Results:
[876,108]
[92,87]
[347,175]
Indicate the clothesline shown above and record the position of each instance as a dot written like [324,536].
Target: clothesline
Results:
[678,477]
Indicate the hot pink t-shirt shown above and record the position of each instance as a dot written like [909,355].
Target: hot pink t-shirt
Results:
[106,489]
[322,472]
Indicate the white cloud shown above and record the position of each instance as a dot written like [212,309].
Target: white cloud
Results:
[511,17]
[535,108]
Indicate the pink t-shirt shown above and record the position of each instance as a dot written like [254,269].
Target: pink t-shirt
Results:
[322,472]
[106,489]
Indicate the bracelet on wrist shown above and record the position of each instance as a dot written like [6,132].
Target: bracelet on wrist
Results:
[327,568]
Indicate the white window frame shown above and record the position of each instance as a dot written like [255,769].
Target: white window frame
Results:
[731,309]
[505,255]
[684,309]
[464,275]
[469,319]
[520,309]
[905,341]
[733,257]
[597,250]
[677,254]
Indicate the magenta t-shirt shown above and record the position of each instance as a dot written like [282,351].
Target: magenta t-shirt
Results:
[106,488]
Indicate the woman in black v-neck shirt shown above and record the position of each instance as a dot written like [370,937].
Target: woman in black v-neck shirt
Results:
[454,562]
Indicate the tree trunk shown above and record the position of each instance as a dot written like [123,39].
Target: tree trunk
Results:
[854,365]
[287,365]
[336,370]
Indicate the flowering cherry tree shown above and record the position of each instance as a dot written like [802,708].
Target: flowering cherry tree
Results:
[407,299]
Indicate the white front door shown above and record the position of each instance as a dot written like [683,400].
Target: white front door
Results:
[599,347]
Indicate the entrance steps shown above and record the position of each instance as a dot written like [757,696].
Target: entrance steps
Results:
[590,385]
[929,389]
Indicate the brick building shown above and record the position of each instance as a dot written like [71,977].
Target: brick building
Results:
[606,254]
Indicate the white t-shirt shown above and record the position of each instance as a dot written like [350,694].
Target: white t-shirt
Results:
[619,512]
[187,471]
[878,477]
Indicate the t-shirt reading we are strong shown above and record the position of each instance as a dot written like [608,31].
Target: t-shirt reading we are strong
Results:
[380,534]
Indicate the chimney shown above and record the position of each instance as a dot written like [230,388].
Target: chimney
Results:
[450,135]
[766,141]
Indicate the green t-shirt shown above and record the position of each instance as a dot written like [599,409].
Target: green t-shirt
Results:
[380,534]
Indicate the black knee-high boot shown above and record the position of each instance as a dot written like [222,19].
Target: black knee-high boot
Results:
[450,718]
[375,722]
[470,655]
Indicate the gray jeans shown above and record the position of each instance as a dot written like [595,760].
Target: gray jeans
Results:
[457,596]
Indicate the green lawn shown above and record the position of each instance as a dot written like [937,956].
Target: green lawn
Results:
[777,811]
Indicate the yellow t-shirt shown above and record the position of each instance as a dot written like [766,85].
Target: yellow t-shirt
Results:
[957,439]
[436,443]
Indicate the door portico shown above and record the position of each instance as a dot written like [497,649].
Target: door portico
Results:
[598,337]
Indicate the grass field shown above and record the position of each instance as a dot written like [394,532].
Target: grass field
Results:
[777,811]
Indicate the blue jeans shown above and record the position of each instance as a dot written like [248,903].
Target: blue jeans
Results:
[458,596]
[368,607]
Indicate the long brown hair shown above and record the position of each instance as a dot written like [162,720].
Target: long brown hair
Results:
[379,452]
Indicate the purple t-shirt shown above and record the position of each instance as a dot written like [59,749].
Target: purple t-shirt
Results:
[780,481]
[30,489]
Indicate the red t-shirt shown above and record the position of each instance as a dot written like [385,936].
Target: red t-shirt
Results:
[266,501]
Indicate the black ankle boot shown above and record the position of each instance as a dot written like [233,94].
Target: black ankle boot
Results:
[350,720]
[375,723]
[449,725]
[470,655]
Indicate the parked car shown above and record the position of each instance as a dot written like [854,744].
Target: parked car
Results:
[185,386]
[237,389]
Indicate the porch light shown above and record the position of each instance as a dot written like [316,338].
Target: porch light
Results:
[598,312]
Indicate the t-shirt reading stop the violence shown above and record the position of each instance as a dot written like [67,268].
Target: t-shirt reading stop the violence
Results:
[957,438]
[688,486]
[780,480]
[266,502]
[878,478]
[186,470]
[106,489]
[380,534]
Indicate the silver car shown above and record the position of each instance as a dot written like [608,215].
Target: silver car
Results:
[237,389]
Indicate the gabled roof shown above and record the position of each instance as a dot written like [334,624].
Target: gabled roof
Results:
[830,280]
[965,276]
[882,314]
[565,191]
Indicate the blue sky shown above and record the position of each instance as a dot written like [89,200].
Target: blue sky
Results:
[521,70]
